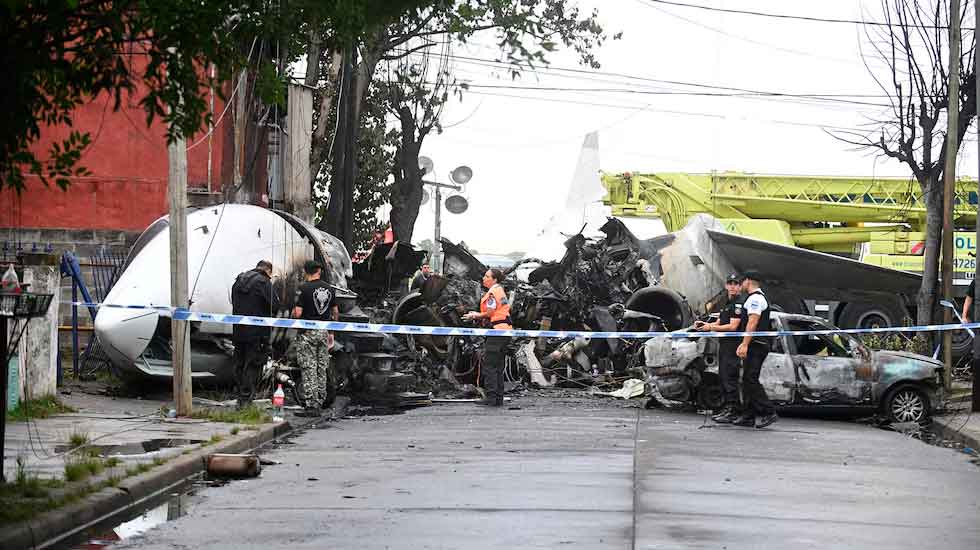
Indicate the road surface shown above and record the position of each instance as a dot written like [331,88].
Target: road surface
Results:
[580,473]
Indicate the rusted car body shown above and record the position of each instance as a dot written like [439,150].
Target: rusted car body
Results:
[812,370]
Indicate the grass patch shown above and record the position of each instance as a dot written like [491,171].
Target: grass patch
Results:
[234,431]
[113,481]
[112,462]
[38,408]
[159,460]
[216,438]
[77,439]
[78,469]
[250,415]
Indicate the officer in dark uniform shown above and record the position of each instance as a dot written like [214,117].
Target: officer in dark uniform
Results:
[759,411]
[251,294]
[729,320]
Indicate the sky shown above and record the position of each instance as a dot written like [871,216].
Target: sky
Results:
[523,144]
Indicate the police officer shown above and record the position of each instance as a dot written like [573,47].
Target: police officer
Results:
[251,294]
[729,320]
[494,313]
[759,411]
[314,302]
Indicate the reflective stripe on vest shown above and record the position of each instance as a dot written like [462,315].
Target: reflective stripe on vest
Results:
[495,301]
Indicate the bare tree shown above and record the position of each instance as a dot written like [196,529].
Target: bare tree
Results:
[416,90]
[914,47]
[526,32]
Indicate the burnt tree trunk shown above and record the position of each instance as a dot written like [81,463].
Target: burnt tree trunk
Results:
[406,193]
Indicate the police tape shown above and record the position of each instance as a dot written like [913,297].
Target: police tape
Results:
[344,326]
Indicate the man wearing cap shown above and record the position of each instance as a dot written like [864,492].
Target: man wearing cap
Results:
[314,302]
[729,320]
[251,294]
[759,411]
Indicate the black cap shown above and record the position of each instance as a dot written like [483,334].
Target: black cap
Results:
[753,275]
[734,278]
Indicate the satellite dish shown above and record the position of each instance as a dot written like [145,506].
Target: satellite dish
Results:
[461,174]
[457,204]
[425,164]
[425,196]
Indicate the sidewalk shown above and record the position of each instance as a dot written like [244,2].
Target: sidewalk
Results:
[129,429]
[132,452]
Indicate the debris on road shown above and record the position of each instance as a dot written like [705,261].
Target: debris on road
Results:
[233,465]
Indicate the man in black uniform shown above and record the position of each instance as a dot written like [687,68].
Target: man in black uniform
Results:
[759,411]
[314,301]
[729,320]
[251,294]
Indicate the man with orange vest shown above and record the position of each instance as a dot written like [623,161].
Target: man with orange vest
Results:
[494,313]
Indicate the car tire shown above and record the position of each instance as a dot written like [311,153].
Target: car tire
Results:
[906,403]
[867,315]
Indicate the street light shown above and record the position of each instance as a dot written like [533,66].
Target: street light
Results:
[456,204]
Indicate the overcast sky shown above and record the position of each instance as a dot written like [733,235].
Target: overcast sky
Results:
[523,148]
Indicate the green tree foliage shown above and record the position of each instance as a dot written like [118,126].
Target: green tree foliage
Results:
[375,153]
[56,55]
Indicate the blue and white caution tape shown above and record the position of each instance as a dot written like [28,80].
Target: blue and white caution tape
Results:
[341,326]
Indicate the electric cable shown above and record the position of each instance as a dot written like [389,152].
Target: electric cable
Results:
[811,19]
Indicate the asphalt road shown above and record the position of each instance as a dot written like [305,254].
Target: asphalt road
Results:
[580,473]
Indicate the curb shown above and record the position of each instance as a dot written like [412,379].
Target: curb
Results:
[52,527]
[951,433]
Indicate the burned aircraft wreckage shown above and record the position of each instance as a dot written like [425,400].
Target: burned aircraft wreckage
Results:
[612,283]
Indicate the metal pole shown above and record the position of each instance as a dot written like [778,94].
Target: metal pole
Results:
[437,248]
[949,179]
[177,191]
[976,295]
[74,328]
[3,394]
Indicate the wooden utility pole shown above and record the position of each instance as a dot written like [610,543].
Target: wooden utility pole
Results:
[949,179]
[179,330]
[976,275]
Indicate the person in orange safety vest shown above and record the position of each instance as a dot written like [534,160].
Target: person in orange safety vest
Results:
[494,313]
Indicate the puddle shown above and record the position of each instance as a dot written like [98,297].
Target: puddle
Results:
[137,448]
[166,508]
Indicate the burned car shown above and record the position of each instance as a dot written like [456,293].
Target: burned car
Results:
[811,370]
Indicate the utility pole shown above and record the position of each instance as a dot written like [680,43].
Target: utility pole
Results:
[239,137]
[949,180]
[180,335]
[976,293]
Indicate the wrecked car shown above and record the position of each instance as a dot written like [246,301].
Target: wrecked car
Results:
[812,370]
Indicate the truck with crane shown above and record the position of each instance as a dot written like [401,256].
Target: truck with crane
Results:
[877,221]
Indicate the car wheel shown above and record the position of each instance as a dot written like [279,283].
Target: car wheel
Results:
[907,404]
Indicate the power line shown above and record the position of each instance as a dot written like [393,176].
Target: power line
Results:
[836,98]
[793,17]
[627,76]
[641,108]
[748,40]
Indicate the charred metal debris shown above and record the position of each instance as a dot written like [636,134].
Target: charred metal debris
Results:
[605,284]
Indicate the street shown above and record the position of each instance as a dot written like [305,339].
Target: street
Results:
[583,473]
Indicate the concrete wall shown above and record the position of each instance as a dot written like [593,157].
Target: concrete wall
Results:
[37,351]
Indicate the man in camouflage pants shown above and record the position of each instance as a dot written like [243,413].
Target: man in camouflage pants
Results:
[314,301]
[313,358]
